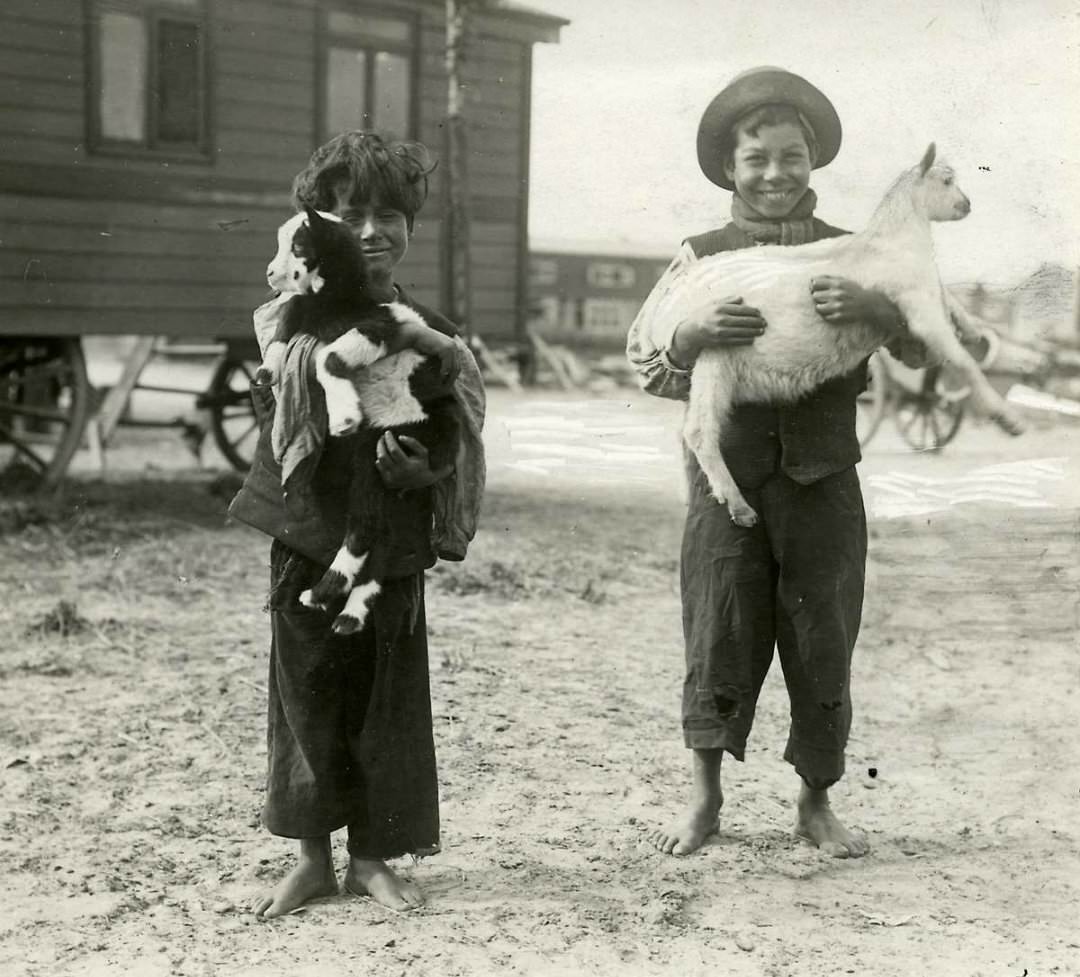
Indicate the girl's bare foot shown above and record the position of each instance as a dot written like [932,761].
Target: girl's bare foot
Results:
[310,879]
[373,877]
[688,833]
[817,824]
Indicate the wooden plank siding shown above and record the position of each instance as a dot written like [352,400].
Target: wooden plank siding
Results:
[108,242]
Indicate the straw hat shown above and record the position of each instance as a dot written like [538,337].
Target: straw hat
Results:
[750,90]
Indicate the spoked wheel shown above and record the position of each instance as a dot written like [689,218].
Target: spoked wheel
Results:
[232,415]
[872,404]
[44,405]
[930,419]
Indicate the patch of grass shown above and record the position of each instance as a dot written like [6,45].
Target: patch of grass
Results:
[48,668]
[494,578]
[93,517]
[63,620]
[593,594]
[17,514]
[19,478]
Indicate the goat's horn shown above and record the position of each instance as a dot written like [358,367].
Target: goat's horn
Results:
[928,159]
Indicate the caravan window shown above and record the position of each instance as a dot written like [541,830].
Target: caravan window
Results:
[148,72]
[368,72]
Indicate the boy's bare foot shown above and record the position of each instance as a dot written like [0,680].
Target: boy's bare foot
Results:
[310,879]
[373,877]
[688,833]
[817,824]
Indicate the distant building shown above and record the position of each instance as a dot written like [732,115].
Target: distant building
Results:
[589,295]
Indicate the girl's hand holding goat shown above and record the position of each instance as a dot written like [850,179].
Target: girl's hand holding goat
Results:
[403,463]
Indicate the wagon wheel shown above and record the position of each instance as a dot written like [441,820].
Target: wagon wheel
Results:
[44,405]
[929,420]
[232,415]
[873,402]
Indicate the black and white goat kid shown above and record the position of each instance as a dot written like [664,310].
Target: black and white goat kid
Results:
[367,392]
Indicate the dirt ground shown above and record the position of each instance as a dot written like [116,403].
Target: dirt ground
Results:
[132,753]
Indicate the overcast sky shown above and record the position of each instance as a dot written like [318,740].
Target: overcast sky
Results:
[995,83]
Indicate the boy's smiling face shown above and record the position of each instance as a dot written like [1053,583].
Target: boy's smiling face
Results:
[771,168]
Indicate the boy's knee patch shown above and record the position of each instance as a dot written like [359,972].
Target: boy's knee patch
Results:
[725,708]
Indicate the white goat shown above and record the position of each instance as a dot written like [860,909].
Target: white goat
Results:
[799,350]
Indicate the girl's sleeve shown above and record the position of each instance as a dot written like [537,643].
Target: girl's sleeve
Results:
[267,317]
[648,343]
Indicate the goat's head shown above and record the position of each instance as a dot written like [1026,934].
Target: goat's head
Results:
[301,252]
[936,191]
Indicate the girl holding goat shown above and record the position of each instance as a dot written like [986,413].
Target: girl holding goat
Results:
[349,729]
[793,580]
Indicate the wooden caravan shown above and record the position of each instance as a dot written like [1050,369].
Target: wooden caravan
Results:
[147,148]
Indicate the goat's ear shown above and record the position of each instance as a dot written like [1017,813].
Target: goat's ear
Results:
[928,159]
[314,218]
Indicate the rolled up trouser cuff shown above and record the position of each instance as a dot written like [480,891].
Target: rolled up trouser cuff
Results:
[702,737]
[818,768]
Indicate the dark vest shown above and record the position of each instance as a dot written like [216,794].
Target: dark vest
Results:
[313,522]
[806,440]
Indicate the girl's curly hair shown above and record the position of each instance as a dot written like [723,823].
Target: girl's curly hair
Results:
[368,167]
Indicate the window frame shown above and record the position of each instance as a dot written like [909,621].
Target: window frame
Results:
[544,272]
[153,12]
[411,50]
[611,275]
[606,314]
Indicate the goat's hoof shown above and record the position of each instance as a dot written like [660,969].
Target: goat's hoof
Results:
[346,624]
[1010,423]
[264,376]
[743,516]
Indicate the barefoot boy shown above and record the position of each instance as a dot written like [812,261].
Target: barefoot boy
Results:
[795,580]
[349,733]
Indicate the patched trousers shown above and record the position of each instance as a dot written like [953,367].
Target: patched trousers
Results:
[792,583]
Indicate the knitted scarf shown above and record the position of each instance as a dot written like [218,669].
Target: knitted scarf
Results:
[796,227]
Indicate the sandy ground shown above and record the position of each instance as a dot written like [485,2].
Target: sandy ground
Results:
[131,748]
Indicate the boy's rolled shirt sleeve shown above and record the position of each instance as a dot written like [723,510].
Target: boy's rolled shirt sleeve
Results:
[648,343]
